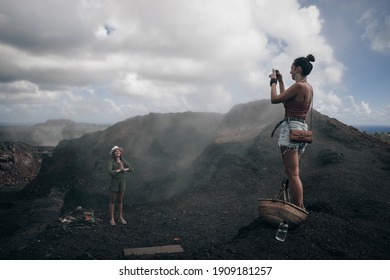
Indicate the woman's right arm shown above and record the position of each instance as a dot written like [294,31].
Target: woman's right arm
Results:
[110,170]
[279,77]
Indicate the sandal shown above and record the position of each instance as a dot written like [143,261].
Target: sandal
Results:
[122,221]
[112,222]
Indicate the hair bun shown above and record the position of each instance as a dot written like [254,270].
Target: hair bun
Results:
[311,58]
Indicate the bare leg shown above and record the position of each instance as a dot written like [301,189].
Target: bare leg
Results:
[112,205]
[120,204]
[291,165]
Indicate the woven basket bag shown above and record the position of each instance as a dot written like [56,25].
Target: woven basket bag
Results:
[274,211]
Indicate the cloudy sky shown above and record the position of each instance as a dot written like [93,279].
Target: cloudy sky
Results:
[107,60]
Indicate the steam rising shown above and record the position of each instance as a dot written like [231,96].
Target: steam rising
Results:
[162,148]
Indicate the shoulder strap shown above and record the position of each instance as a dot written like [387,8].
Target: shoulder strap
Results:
[311,106]
[311,110]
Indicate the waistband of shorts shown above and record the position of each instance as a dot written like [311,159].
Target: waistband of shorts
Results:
[295,119]
[286,119]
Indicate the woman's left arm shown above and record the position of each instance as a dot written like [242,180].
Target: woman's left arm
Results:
[127,166]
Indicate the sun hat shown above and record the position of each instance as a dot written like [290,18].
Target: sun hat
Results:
[115,148]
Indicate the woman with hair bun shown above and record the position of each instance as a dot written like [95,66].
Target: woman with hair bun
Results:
[296,100]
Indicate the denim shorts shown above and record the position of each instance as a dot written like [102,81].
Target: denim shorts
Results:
[284,136]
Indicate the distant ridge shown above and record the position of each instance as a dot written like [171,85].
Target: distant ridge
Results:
[49,133]
[168,150]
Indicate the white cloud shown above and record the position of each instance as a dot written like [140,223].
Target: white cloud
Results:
[360,112]
[362,109]
[366,107]
[377,30]
[25,92]
[212,98]
[326,102]
[121,58]
[334,73]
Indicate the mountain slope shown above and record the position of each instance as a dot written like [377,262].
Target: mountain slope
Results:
[202,192]
[157,145]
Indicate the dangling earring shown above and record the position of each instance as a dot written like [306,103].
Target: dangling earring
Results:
[297,77]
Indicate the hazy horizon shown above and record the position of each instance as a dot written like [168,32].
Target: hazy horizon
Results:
[370,128]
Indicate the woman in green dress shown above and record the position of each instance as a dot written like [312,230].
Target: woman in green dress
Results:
[117,167]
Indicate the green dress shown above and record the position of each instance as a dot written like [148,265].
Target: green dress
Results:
[118,180]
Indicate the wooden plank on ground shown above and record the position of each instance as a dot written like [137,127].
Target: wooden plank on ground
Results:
[167,249]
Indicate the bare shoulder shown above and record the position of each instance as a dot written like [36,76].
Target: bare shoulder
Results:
[300,86]
[301,90]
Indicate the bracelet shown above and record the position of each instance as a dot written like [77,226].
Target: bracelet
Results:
[273,81]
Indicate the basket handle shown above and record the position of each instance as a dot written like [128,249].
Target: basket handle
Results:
[283,191]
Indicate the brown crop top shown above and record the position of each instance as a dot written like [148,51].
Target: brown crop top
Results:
[296,109]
